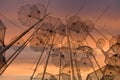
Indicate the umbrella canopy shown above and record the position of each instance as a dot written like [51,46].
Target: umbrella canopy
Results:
[60,56]
[109,73]
[115,60]
[30,14]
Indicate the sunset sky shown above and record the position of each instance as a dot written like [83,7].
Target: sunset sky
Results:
[22,67]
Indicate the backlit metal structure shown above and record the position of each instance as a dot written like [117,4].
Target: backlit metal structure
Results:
[64,44]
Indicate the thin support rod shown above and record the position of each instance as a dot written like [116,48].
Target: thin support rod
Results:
[37,64]
[48,57]
[70,54]
[60,66]
[77,68]
[93,66]
[105,10]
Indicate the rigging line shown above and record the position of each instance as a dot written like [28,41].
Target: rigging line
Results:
[21,35]
[48,56]
[11,22]
[101,15]
[36,67]
[117,70]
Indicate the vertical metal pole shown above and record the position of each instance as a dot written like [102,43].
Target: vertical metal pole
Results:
[70,53]
[71,59]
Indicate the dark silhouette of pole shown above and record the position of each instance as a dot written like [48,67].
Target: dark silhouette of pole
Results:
[21,35]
